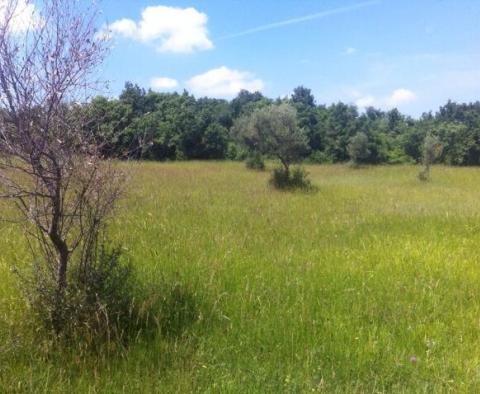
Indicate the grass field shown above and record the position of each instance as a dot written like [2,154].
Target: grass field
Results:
[332,291]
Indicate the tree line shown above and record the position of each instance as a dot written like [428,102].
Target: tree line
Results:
[147,125]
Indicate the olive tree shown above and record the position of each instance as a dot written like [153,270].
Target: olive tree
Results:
[50,167]
[274,131]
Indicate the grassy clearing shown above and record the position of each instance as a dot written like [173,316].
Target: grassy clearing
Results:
[296,292]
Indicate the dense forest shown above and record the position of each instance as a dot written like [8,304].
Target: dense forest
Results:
[171,126]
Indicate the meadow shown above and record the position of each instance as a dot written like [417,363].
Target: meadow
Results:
[369,284]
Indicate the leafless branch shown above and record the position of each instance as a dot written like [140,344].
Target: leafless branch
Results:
[50,167]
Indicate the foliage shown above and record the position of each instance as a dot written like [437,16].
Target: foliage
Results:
[432,149]
[358,148]
[165,126]
[460,143]
[341,126]
[320,157]
[255,161]
[296,179]
[303,96]
[98,305]
[234,152]
[106,307]
[274,131]
[215,142]
[398,156]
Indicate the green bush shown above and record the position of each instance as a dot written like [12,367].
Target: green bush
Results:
[98,305]
[105,308]
[398,156]
[232,151]
[296,179]
[255,162]
[320,157]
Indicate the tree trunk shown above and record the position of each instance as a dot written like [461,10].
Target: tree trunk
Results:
[62,271]
[286,166]
[62,259]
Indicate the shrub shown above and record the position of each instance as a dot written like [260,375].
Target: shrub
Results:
[398,156]
[98,305]
[320,157]
[232,151]
[255,162]
[290,180]
[180,155]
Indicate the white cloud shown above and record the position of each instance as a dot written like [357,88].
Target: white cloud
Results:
[124,27]
[169,29]
[23,16]
[365,101]
[397,98]
[350,51]
[224,82]
[163,83]
[401,96]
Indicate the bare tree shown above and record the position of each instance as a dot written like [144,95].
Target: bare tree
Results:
[50,167]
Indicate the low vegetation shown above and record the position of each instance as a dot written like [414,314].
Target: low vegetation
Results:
[255,161]
[255,290]
[295,179]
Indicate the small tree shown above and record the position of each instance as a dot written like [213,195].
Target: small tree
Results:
[49,166]
[358,148]
[274,131]
[432,149]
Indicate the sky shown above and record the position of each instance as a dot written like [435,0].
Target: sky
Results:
[409,54]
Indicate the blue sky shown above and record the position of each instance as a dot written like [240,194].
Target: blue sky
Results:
[410,54]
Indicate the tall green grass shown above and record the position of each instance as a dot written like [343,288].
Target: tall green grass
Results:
[332,291]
